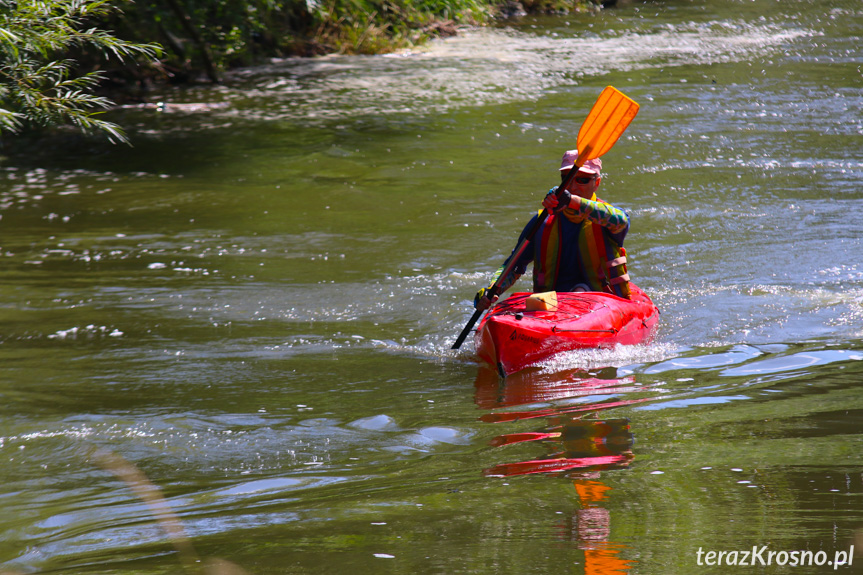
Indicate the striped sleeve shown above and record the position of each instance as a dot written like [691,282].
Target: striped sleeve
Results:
[604,214]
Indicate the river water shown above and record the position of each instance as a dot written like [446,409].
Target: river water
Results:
[232,340]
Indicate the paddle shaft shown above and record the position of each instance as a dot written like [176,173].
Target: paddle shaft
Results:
[495,290]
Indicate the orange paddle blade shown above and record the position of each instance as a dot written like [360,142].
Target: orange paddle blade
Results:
[609,117]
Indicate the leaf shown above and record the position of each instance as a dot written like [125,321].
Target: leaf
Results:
[39,84]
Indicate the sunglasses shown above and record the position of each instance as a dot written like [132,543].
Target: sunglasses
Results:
[584,179]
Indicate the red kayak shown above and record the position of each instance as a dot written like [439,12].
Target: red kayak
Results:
[526,328]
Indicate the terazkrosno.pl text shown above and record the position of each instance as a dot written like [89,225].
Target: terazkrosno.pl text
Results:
[764,556]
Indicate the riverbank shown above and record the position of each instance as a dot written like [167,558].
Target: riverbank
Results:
[201,45]
[65,64]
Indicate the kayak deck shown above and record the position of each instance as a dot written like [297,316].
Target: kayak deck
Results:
[512,337]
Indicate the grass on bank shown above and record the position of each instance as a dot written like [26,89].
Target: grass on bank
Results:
[63,62]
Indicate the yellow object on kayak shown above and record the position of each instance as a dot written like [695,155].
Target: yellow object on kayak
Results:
[546,301]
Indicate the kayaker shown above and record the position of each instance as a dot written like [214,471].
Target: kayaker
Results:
[579,247]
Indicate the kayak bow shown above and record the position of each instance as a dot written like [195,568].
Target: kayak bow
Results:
[526,328]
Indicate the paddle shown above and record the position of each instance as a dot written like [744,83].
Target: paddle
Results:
[607,120]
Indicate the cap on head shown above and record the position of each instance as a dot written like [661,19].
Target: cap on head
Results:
[593,166]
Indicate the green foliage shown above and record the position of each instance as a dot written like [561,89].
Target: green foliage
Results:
[373,26]
[239,32]
[217,34]
[41,85]
[560,6]
[53,53]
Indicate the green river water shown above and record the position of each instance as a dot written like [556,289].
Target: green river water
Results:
[232,340]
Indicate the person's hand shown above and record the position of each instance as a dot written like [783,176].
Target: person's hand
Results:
[556,200]
[482,301]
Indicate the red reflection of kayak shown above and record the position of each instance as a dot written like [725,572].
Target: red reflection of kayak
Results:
[513,336]
[580,445]
[537,386]
[559,465]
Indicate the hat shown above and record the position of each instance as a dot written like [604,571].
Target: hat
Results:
[593,166]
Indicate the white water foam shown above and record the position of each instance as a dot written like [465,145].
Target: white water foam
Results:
[482,66]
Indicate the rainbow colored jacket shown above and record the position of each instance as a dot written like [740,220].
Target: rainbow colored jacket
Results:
[582,245]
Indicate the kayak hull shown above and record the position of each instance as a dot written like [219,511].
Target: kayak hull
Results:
[511,337]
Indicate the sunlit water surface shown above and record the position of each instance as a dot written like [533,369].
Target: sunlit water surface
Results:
[249,313]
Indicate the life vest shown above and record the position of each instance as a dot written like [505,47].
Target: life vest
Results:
[603,260]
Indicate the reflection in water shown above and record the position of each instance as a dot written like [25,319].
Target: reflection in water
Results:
[531,387]
[579,448]
[576,444]
[592,529]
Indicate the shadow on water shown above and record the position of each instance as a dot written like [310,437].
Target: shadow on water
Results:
[580,446]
